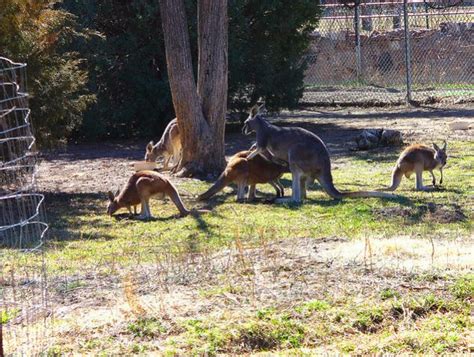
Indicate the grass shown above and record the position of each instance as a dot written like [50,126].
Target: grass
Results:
[384,319]
[342,325]
[82,233]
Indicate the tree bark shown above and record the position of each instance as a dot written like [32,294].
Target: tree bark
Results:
[200,113]
[212,69]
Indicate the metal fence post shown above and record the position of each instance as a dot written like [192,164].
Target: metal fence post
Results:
[407,51]
[357,40]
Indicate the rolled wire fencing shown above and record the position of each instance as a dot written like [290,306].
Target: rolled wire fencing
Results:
[24,311]
[370,53]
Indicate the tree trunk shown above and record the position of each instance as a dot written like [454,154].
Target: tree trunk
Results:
[212,70]
[201,115]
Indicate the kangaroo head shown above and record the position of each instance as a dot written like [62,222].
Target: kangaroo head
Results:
[250,125]
[440,154]
[113,205]
[152,152]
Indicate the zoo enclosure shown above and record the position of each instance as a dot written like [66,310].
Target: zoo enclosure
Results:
[367,53]
[24,310]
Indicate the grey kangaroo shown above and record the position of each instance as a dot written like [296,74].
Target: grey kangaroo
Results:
[169,146]
[305,153]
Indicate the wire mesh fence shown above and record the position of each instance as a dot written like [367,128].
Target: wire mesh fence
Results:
[24,310]
[367,53]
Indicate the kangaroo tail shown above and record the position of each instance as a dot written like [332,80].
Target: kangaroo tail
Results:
[175,197]
[221,182]
[397,176]
[368,194]
[328,185]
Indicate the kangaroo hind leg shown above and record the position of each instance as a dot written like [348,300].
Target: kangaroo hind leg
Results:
[251,195]
[296,186]
[241,191]
[419,179]
[145,210]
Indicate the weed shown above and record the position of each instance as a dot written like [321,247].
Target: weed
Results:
[309,307]
[8,315]
[277,332]
[463,288]
[368,320]
[146,327]
[388,293]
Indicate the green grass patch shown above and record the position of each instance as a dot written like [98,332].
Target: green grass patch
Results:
[82,234]
[463,288]
[146,327]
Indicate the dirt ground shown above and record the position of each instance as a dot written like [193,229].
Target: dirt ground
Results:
[98,167]
[97,305]
[281,273]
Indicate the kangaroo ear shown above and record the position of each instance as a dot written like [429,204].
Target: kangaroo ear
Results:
[111,196]
[436,147]
[149,147]
[261,108]
[117,192]
[444,146]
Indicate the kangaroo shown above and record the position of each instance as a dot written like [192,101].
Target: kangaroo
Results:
[140,187]
[169,146]
[418,158]
[306,155]
[243,172]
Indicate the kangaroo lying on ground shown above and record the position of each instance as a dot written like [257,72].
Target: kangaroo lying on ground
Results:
[140,187]
[244,171]
[305,153]
[169,146]
[418,158]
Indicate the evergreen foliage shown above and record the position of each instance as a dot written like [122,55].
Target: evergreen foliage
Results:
[115,50]
[42,35]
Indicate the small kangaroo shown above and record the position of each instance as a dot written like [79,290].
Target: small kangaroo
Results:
[140,187]
[418,158]
[243,172]
[169,146]
[305,153]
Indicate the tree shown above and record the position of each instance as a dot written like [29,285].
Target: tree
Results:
[267,43]
[39,34]
[127,65]
[200,108]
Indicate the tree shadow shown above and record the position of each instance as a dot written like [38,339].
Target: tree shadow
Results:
[424,112]
[64,208]
[378,155]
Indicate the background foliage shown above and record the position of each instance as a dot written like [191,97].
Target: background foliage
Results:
[97,68]
[41,35]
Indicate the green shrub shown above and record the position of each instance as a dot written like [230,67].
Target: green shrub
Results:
[127,66]
[41,35]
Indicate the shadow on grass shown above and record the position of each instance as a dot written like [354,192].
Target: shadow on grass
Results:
[63,210]
[378,155]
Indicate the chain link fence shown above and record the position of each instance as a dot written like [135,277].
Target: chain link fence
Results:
[383,53]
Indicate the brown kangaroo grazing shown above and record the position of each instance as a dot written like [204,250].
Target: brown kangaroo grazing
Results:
[169,146]
[418,158]
[243,172]
[140,188]
[306,155]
